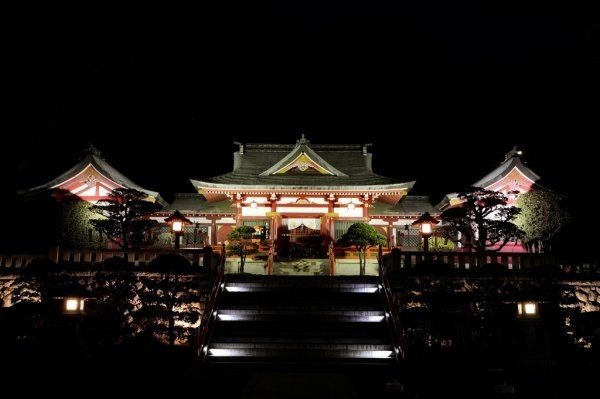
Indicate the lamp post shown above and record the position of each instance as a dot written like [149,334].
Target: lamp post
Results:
[527,309]
[73,301]
[425,223]
[74,305]
[177,222]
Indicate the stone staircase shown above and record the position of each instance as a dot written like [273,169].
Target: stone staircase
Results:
[300,322]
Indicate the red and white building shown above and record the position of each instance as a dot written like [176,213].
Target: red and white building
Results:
[287,192]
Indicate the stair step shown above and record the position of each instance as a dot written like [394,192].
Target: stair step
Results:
[285,298]
[228,340]
[324,346]
[256,362]
[244,283]
[309,280]
[301,325]
[301,353]
[333,334]
[300,310]
[268,288]
[300,320]
[281,315]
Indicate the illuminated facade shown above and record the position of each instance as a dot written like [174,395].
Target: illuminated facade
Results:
[300,189]
[512,177]
[289,192]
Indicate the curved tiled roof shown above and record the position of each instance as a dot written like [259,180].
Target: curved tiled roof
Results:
[258,166]
[93,158]
[511,160]
[411,205]
[196,203]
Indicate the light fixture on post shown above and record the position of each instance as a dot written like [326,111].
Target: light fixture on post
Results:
[73,300]
[177,222]
[425,223]
[74,305]
[527,309]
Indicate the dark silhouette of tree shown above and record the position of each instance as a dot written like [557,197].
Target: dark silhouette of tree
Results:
[493,315]
[483,219]
[29,294]
[541,218]
[240,243]
[37,294]
[169,302]
[114,287]
[126,219]
[362,236]
[21,333]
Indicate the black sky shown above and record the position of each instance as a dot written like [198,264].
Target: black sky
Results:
[442,91]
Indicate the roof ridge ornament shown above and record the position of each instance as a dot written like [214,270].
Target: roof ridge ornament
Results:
[513,153]
[302,140]
[92,150]
[241,145]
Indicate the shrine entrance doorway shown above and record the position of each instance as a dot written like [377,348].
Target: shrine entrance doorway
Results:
[299,240]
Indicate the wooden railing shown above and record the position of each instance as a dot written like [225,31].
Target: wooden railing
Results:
[514,261]
[458,260]
[471,260]
[93,257]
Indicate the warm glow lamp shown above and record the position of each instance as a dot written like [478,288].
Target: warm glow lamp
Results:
[425,228]
[74,305]
[425,223]
[177,226]
[527,308]
[177,222]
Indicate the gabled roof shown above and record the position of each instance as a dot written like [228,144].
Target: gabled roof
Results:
[302,166]
[91,178]
[302,159]
[511,175]
[512,161]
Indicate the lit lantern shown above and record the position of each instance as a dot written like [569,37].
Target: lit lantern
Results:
[177,222]
[74,305]
[425,223]
[527,309]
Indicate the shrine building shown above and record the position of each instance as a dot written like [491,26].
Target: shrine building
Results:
[289,193]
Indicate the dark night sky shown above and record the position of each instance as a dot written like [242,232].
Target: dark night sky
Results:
[442,92]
